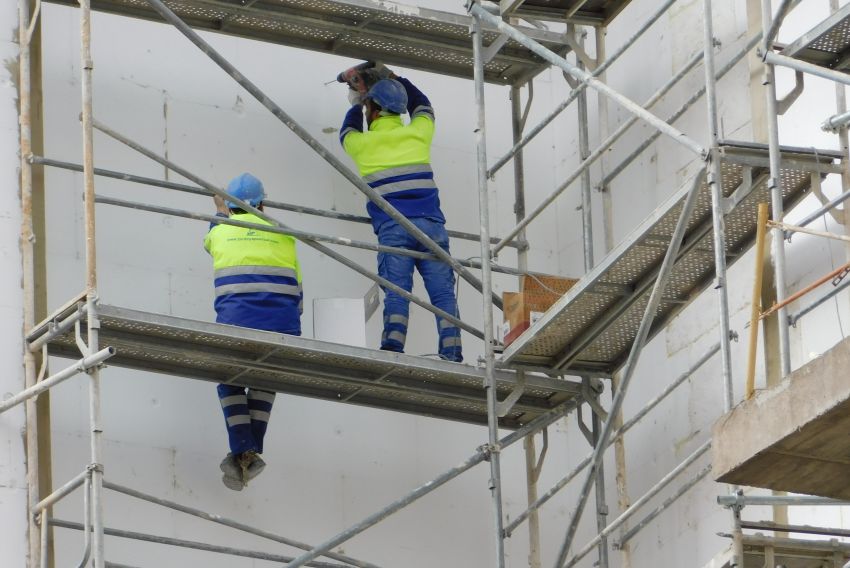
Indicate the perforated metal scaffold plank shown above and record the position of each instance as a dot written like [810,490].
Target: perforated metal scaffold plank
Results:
[308,367]
[579,11]
[592,327]
[787,553]
[827,44]
[397,34]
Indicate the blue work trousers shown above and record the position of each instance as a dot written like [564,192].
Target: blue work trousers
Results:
[247,411]
[439,283]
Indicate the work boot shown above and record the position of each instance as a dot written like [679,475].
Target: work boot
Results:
[251,465]
[232,477]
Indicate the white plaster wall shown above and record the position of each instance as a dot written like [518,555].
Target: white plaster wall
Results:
[330,465]
[13,493]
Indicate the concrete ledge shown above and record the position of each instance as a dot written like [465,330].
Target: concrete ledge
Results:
[795,436]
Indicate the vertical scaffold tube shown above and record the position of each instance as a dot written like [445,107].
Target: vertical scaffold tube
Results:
[91,285]
[776,205]
[487,282]
[531,473]
[715,183]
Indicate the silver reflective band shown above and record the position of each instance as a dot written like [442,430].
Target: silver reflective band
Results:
[406,184]
[451,342]
[397,336]
[423,110]
[397,318]
[399,171]
[267,270]
[446,324]
[235,399]
[249,287]
[260,415]
[347,131]
[238,420]
[261,395]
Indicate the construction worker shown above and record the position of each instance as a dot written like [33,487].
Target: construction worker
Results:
[394,158]
[257,285]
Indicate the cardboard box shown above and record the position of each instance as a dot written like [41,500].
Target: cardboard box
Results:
[523,309]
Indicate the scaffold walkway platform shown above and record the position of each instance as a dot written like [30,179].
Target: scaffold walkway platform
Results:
[786,552]
[827,44]
[307,367]
[396,34]
[592,327]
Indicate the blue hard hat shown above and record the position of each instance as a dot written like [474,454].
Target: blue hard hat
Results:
[390,95]
[247,188]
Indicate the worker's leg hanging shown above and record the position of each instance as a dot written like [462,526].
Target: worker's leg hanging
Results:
[234,404]
[260,407]
[398,270]
[440,283]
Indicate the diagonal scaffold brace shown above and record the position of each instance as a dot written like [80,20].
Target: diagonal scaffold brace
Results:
[311,141]
[629,368]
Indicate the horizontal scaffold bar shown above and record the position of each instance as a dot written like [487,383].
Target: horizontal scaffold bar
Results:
[80,366]
[269,204]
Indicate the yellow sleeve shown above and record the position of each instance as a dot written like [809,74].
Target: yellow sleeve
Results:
[353,143]
[424,126]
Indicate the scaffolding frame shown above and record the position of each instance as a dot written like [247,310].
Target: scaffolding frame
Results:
[84,320]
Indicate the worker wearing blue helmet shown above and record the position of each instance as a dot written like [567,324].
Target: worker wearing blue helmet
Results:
[257,285]
[394,158]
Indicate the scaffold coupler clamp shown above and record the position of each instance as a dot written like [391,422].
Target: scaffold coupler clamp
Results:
[488,450]
[840,276]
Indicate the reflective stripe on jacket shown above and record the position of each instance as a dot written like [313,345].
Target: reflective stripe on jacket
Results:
[395,158]
[257,276]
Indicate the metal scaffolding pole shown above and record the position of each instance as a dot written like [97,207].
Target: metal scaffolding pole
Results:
[95,415]
[529,447]
[655,490]
[373,195]
[628,535]
[629,368]
[519,144]
[558,61]
[317,246]
[601,503]
[586,197]
[191,544]
[619,433]
[84,365]
[482,454]
[715,183]
[297,233]
[597,153]
[609,177]
[775,185]
[772,59]
[230,523]
[487,280]
[41,160]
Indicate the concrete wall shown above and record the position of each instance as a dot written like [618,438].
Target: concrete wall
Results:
[13,493]
[330,465]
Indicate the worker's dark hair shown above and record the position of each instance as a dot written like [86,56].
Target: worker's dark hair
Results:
[239,210]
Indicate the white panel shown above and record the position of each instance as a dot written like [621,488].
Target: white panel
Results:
[340,320]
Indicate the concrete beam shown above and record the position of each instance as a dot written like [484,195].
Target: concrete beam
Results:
[793,436]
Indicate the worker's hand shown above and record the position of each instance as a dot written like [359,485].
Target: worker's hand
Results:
[220,205]
[355,97]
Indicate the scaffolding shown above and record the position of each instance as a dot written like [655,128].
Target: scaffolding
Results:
[560,364]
